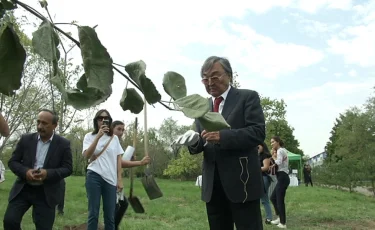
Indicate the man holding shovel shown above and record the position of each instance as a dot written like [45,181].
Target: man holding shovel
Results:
[232,180]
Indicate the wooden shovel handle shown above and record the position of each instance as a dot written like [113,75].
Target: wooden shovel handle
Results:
[145,128]
[135,129]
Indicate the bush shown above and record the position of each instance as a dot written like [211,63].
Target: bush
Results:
[187,167]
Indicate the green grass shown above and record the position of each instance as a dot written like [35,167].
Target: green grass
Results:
[182,209]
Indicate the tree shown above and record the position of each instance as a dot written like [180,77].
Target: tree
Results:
[169,130]
[276,125]
[95,85]
[187,167]
[35,92]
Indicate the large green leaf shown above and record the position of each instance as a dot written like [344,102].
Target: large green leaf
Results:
[174,85]
[136,70]
[58,81]
[96,60]
[12,60]
[149,90]
[193,106]
[212,122]
[2,11]
[131,101]
[8,5]
[43,3]
[82,82]
[45,42]
[86,99]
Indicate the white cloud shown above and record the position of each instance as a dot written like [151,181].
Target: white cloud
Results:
[312,111]
[264,56]
[352,73]
[323,69]
[356,43]
[337,74]
[313,6]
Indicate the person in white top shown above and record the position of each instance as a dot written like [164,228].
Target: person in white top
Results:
[118,129]
[103,178]
[283,181]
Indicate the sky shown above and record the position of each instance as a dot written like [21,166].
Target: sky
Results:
[319,56]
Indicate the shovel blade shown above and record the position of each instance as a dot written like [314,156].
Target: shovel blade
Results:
[152,189]
[136,204]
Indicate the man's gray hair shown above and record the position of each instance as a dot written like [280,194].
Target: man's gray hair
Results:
[208,64]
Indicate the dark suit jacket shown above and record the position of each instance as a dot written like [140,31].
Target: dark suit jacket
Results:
[236,155]
[58,164]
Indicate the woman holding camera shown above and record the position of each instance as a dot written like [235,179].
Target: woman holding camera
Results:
[103,179]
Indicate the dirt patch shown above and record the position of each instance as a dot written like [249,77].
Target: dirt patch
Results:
[81,227]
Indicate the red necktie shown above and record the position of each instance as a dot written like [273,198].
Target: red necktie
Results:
[217,102]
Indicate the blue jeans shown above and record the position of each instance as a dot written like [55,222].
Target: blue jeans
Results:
[265,199]
[96,188]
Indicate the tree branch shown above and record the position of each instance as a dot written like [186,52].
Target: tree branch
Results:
[41,17]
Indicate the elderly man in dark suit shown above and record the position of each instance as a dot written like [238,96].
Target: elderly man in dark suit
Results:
[40,161]
[232,182]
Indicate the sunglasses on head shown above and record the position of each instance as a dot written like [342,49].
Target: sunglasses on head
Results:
[100,118]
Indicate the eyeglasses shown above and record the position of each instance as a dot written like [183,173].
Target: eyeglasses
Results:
[100,118]
[214,79]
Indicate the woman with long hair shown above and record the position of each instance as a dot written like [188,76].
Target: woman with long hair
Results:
[264,158]
[103,178]
[283,181]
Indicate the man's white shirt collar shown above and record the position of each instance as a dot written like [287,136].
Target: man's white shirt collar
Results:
[224,95]
[50,139]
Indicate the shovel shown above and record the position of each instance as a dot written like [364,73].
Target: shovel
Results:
[133,200]
[152,189]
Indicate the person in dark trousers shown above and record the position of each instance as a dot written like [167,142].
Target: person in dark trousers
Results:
[231,179]
[307,175]
[40,161]
[265,162]
[61,204]
[283,181]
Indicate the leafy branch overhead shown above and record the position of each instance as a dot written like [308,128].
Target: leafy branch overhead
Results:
[12,60]
[95,84]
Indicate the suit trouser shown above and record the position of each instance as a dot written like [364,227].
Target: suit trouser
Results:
[278,195]
[43,215]
[60,206]
[308,180]
[223,214]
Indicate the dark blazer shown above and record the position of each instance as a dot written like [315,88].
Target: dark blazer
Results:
[58,164]
[236,155]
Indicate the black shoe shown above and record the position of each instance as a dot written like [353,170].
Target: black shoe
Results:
[267,221]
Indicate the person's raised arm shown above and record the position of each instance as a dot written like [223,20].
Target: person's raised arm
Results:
[131,164]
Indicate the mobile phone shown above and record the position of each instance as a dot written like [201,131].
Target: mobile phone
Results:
[106,123]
